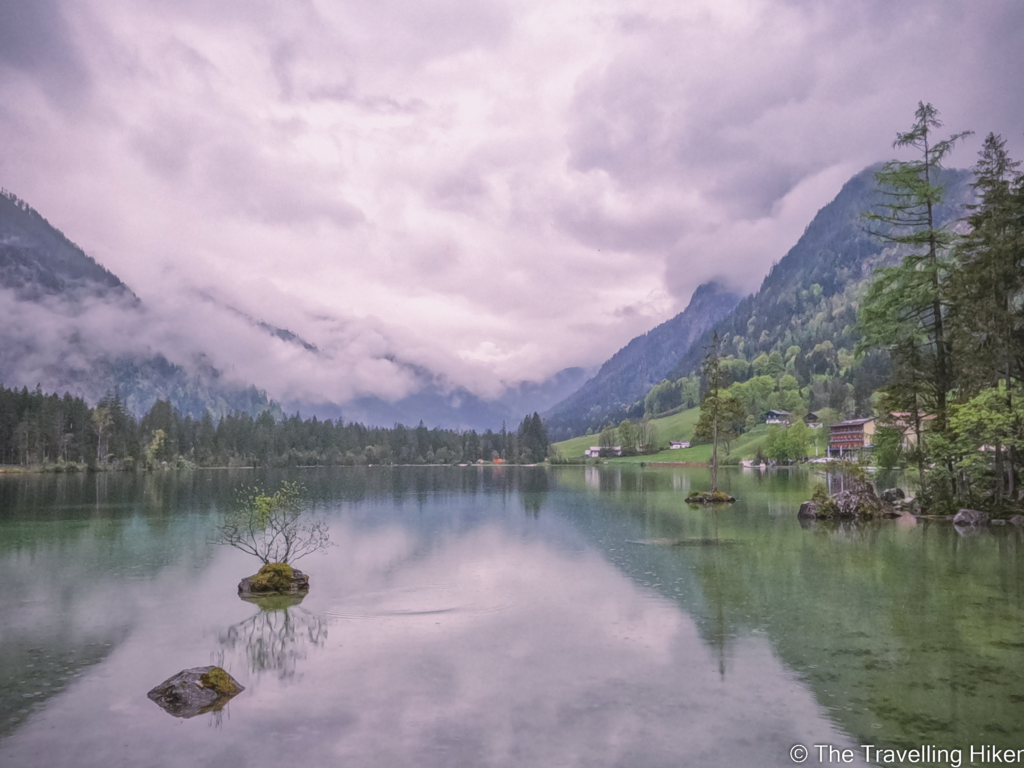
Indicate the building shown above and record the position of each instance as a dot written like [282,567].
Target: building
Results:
[904,422]
[851,436]
[812,420]
[778,417]
[596,451]
[674,444]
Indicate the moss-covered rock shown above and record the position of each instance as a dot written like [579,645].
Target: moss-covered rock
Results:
[275,579]
[273,601]
[194,691]
[219,681]
[709,497]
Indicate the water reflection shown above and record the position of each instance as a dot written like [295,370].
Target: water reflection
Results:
[475,634]
[275,638]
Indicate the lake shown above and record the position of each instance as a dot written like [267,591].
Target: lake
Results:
[502,616]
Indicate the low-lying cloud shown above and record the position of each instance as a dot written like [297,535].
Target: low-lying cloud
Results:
[490,191]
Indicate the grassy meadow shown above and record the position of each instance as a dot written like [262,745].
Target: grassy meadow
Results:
[678,426]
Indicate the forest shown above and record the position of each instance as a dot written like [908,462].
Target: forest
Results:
[55,433]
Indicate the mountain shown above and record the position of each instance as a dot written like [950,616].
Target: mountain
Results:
[633,370]
[36,259]
[451,408]
[806,308]
[69,324]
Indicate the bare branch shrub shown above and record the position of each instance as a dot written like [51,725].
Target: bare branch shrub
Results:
[271,526]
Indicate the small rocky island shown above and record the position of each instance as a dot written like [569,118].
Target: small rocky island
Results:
[859,502]
[709,497]
[274,579]
[195,691]
[862,503]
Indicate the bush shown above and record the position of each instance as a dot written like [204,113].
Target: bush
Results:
[271,528]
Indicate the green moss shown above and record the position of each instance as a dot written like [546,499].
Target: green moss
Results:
[272,577]
[271,602]
[709,497]
[220,681]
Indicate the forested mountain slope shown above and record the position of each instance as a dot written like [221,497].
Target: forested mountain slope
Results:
[629,373]
[69,324]
[801,322]
[804,314]
[36,258]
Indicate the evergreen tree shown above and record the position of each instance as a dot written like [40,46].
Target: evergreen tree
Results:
[989,277]
[719,410]
[905,306]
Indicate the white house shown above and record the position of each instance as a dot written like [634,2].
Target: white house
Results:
[673,444]
[595,451]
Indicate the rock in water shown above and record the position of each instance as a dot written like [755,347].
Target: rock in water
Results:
[970,517]
[892,495]
[709,497]
[809,511]
[194,691]
[275,579]
[857,503]
[860,503]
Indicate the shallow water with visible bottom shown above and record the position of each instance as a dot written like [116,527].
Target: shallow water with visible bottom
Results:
[572,616]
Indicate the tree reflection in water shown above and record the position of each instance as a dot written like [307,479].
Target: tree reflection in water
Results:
[277,637]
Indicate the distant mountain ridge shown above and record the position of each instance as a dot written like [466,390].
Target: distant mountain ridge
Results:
[810,295]
[69,324]
[627,375]
[37,258]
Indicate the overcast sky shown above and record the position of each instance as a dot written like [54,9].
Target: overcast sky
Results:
[494,190]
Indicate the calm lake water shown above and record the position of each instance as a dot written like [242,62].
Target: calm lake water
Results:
[568,616]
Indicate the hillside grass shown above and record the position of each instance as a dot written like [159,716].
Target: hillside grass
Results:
[678,426]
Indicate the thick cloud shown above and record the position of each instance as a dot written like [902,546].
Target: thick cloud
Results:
[492,191]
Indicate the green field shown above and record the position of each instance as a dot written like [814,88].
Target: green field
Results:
[678,426]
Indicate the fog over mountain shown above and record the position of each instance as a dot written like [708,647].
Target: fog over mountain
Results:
[492,192]
[66,323]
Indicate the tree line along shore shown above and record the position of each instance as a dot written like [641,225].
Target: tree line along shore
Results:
[42,431]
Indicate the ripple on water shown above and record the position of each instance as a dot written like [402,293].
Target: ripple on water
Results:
[426,600]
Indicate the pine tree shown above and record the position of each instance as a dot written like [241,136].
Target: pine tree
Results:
[905,306]
[988,323]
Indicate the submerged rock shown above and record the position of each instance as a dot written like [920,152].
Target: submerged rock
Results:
[275,579]
[194,691]
[970,517]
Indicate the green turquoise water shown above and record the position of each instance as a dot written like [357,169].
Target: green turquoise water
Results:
[500,616]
